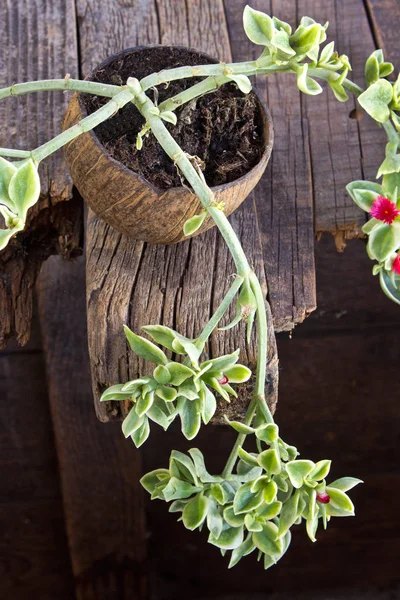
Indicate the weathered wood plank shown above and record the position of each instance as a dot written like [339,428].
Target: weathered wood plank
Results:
[283,199]
[34,555]
[385,20]
[342,149]
[138,284]
[38,42]
[100,470]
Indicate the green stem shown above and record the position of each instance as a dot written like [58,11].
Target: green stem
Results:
[230,463]
[173,150]
[86,124]
[90,87]
[219,313]
[15,153]
[199,89]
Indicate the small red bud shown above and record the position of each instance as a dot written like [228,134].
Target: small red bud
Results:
[224,380]
[396,265]
[323,497]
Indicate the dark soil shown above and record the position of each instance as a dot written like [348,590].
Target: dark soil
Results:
[223,129]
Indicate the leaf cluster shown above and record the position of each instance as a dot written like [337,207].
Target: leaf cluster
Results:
[19,190]
[175,389]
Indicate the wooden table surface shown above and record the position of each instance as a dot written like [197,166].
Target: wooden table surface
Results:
[318,149]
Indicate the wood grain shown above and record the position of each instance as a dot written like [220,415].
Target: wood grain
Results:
[100,470]
[139,284]
[34,555]
[385,21]
[39,42]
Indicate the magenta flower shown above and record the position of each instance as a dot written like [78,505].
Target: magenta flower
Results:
[396,265]
[384,209]
[323,497]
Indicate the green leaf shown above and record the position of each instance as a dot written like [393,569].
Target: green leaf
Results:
[371,69]
[194,223]
[162,374]
[270,491]
[307,38]
[345,483]
[376,99]
[214,519]
[168,394]
[152,479]
[230,538]
[169,116]
[190,419]
[200,467]
[177,489]
[239,427]
[179,373]
[363,193]
[268,433]
[383,241]
[281,42]
[242,81]
[245,500]
[305,83]
[338,91]
[135,384]
[132,422]
[258,26]
[188,390]
[298,470]
[115,392]
[222,363]
[251,523]
[177,506]
[370,225]
[195,512]
[281,25]
[144,403]
[391,164]
[161,334]
[237,374]
[388,287]
[243,550]
[208,404]
[339,499]
[249,459]
[270,461]
[321,470]
[144,348]
[140,435]
[6,235]
[326,54]
[270,511]
[156,414]
[233,519]
[312,516]
[185,466]
[268,541]
[24,188]
[7,170]
[182,345]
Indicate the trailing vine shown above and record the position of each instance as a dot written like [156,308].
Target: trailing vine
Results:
[257,499]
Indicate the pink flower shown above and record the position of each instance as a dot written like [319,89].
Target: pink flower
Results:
[323,497]
[224,380]
[384,209]
[396,265]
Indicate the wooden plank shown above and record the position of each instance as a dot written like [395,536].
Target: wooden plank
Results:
[342,149]
[138,284]
[385,21]
[100,470]
[34,554]
[283,199]
[39,42]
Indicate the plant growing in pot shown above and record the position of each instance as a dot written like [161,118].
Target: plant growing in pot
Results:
[259,496]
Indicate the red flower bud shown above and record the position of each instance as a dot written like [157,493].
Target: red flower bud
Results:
[384,209]
[323,497]
[396,265]
[224,380]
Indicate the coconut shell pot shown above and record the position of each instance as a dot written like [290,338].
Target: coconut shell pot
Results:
[127,200]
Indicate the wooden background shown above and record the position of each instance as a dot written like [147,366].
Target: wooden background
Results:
[75,523]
